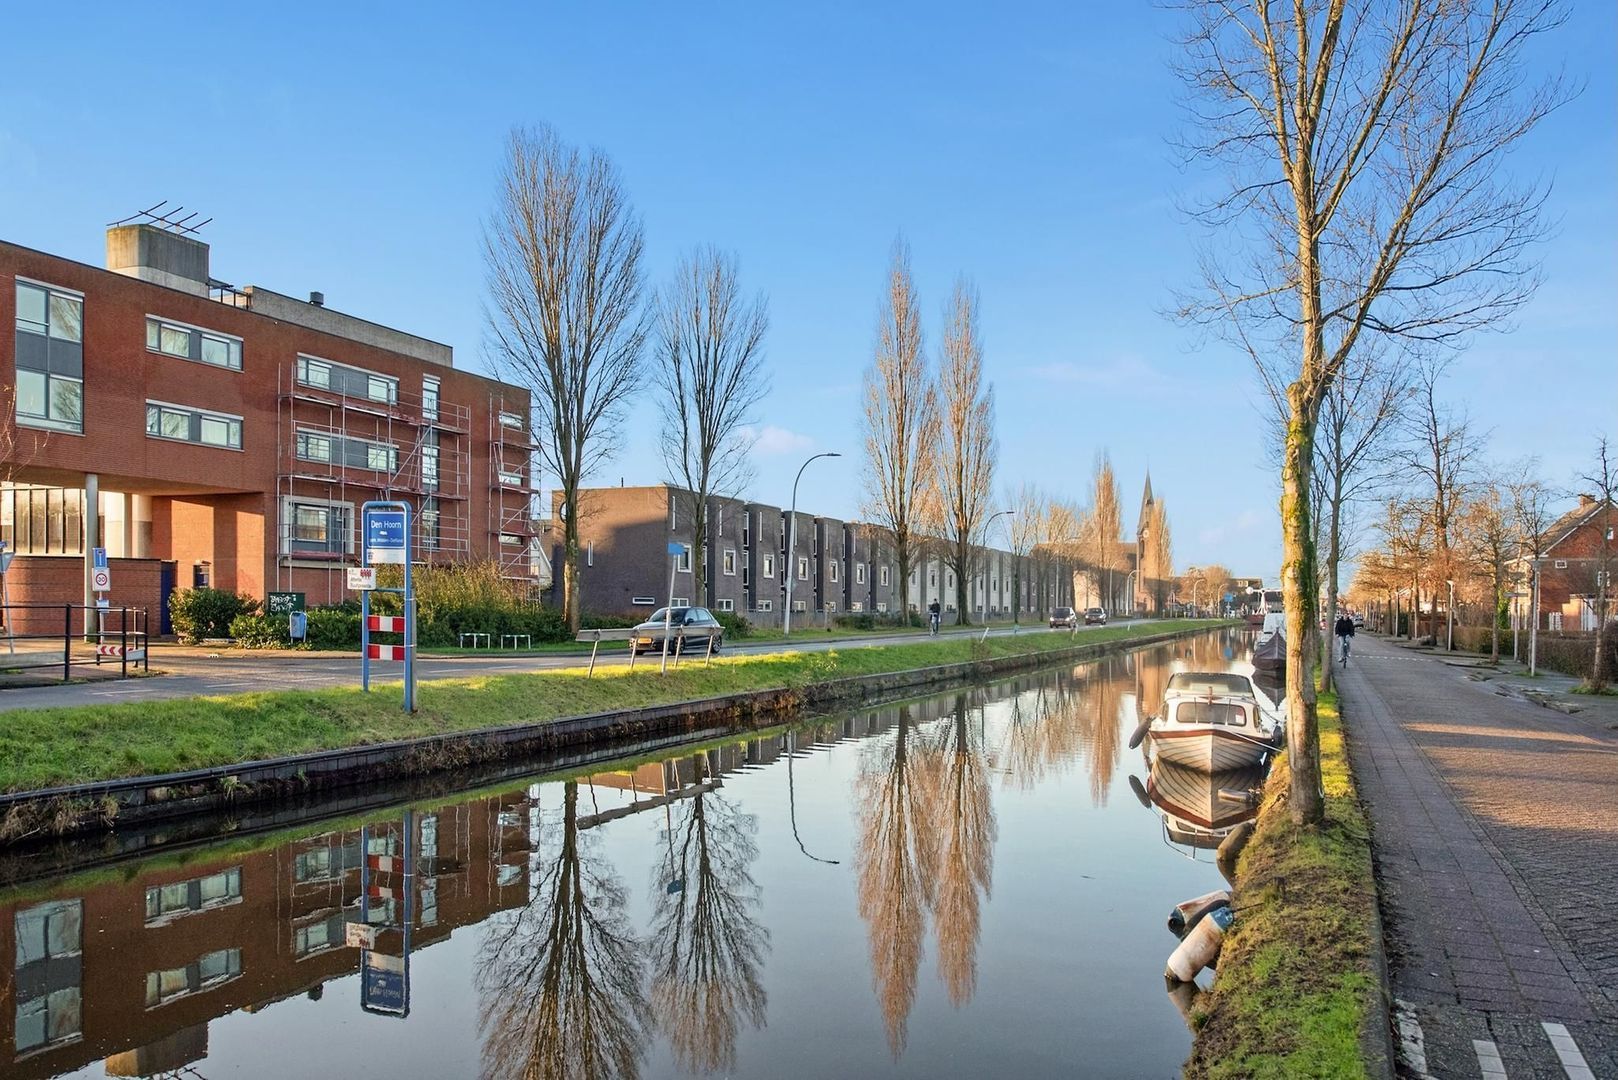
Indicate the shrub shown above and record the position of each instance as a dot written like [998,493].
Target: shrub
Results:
[207,613]
[736,626]
[334,628]
[260,631]
[862,620]
[610,622]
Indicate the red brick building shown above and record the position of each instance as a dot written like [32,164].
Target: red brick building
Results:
[1579,548]
[228,436]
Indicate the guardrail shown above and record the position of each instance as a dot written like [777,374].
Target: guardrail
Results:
[41,636]
[680,635]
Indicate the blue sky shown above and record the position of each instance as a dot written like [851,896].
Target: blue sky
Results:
[1026,148]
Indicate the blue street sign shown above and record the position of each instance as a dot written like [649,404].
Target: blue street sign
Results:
[385,536]
[676,549]
[100,558]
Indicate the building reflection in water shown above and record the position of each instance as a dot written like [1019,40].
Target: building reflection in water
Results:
[129,968]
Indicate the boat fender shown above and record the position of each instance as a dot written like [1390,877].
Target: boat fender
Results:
[1278,736]
[1140,791]
[1230,849]
[1187,913]
[1200,946]
[1140,732]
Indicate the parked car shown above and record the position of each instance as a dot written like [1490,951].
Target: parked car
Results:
[1359,621]
[1064,618]
[694,622]
[1095,616]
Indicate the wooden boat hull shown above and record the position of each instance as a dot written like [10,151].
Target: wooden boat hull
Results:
[1209,749]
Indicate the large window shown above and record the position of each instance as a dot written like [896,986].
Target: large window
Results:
[429,463]
[199,894]
[193,343]
[209,971]
[42,520]
[349,381]
[166,421]
[332,449]
[50,357]
[429,523]
[429,397]
[317,528]
[48,996]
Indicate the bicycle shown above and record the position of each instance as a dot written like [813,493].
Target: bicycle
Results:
[1344,638]
[933,621]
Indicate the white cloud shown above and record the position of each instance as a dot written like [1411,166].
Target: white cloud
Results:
[1242,523]
[769,440]
[1127,372]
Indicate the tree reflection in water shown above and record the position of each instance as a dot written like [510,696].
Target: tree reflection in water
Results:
[561,978]
[963,815]
[894,860]
[707,941]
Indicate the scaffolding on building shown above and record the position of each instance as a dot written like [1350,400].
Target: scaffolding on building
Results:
[514,524]
[427,463]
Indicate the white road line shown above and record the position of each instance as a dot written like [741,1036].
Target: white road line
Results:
[1412,1043]
[1573,1062]
[1489,1059]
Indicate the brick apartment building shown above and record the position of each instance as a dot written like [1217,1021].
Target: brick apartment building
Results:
[836,567]
[1570,567]
[228,437]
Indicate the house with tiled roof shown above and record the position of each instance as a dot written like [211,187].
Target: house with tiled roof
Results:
[1578,554]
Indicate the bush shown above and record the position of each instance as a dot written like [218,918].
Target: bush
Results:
[207,613]
[736,626]
[334,628]
[260,631]
[862,620]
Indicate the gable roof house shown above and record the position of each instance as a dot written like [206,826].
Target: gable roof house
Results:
[1580,548]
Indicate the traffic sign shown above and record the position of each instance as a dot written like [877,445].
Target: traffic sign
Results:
[359,936]
[676,549]
[101,578]
[385,536]
[361,578]
[98,558]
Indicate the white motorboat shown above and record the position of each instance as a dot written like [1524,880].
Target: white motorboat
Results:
[1201,808]
[1211,720]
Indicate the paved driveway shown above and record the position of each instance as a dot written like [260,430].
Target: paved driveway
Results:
[197,672]
[1495,830]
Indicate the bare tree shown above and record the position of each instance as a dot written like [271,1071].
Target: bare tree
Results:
[1364,142]
[710,372]
[1062,530]
[1104,542]
[1443,450]
[1156,577]
[1489,540]
[565,318]
[1028,507]
[1531,500]
[1603,480]
[1361,408]
[900,423]
[967,449]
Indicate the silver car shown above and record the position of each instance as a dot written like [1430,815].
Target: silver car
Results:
[695,624]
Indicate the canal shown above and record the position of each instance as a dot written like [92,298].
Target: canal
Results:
[963,885]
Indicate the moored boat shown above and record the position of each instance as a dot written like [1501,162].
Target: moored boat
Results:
[1211,721]
[1270,651]
[1201,808]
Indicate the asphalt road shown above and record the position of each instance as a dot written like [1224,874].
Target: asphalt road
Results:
[189,672]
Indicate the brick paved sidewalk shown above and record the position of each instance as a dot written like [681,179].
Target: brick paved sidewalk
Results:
[1495,830]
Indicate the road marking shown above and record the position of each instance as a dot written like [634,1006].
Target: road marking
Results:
[1412,1044]
[1573,1062]
[1489,1059]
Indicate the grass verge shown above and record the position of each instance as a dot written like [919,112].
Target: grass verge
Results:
[1297,987]
[41,748]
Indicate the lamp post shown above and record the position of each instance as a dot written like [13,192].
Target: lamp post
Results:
[791,567]
[986,524]
[1129,591]
[1449,618]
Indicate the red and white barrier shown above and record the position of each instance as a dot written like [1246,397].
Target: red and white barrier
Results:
[385,624]
[387,652]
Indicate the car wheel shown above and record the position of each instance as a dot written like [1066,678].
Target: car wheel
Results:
[718,642]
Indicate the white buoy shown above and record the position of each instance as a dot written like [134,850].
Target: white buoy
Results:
[1187,912]
[1200,946]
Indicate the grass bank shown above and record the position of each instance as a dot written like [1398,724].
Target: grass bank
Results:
[42,748]
[1298,986]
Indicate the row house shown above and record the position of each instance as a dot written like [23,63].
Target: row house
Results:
[1576,564]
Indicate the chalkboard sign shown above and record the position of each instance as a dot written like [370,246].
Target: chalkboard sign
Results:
[284,603]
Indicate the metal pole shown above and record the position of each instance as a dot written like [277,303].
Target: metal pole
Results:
[410,619]
[1533,630]
[668,615]
[365,640]
[67,642]
[92,540]
[123,643]
[791,568]
[1449,618]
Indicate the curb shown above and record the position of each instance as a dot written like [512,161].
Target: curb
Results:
[101,806]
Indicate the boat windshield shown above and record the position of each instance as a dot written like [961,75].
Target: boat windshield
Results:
[1210,712]
[1210,682]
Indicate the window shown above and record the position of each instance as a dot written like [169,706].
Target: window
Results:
[47,993]
[747,530]
[209,971]
[1560,564]
[764,605]
[590,553]
[166,421]
[511,539]
[198,894]
[803,568]
[831,568]
[674,513]
[859,573]
[800,605]
[643,601]
[882,576]
[729,562]
[429,397]
[345,450]
[510,477]
[50,357]
[429,522]
[193,343]
[511,420]
[681,601]
[317,528]
[429,463]
[882,608]
[856,606]
[726,605]
[682,562]
[768,567]
[348,381]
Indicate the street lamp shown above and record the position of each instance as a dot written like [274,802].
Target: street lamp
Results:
[986,524]
[1449,616]
[1130,592]
[791,568]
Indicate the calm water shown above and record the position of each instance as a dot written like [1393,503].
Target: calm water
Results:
[965,885]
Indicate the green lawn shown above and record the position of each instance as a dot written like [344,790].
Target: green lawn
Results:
[1296,987]
[42,748]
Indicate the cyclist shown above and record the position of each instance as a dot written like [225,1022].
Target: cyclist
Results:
[1345,632]
[934,616]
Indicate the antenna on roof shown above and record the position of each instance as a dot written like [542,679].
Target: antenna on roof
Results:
[164,219]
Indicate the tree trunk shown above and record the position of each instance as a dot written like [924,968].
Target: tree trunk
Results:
[1494,616]
[1299,598]
[572,598]
[963,570]
[699,558]
[901,553]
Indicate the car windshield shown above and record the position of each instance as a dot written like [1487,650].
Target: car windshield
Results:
[1063,612]
[668,614]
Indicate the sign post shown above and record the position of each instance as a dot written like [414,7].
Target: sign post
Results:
[675,551]
[385,530]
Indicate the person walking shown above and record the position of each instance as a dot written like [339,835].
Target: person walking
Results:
[1345,632]
[934,616]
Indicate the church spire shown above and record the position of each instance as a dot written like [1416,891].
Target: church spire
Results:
[1146,503]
